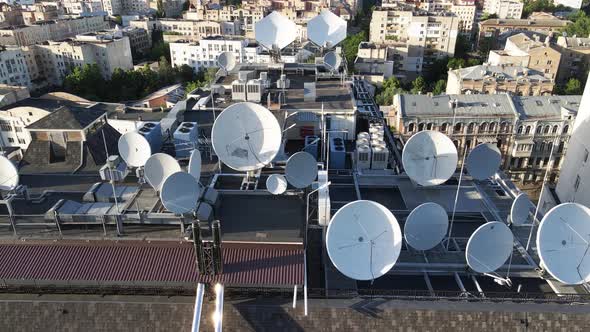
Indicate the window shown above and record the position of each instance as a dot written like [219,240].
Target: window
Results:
[483,126]
[585,154]
[520,128]
[471,127]
[444,127]
[546,131]
[5,125]
[411,127]
[420,126]
[577,183]
[429,126]
[10,140]
[565,129]
[528,130]
[458,127]
[555,128]
[539,128]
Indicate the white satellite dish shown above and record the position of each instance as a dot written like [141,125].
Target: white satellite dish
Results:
[246,136]
[158,167]
[429,158]
[332,60]
[134,149]
[563,243]
[8,174]
[426,226]
[301,170]
[276,184]
[364,240]
[226,60]
[489,247]
[194,164]
[521,210]
[275,31]
[180,193]
[326,29]
[483,161]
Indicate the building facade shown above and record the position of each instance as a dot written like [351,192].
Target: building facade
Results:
[13,67]
[204,53]
[575,57]
[504,8]
[494,32]
[488,79]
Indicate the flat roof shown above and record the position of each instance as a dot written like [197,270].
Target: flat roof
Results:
[67,118]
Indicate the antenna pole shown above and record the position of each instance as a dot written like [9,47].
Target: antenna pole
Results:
[456,199]
[112,181]
[217,253]
[198,245]
[536,216]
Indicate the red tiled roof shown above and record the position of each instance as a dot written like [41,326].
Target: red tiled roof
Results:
[138,261]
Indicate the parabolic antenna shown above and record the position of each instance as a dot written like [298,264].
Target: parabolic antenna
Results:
[194,164]
[158,167]
[426,226]
[180,193]
[275,31]
[429,158]
[246,136]
[489,247]
[276,184]
[363,240]
[332,60]
[8,174]
[301,170]
[226,60]
[483,161]
[134,149]
[563,243]
[521,210]
[326,29]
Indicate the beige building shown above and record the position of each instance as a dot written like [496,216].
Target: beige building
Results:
[10,15]
[504,8]
[51,30]
[41,12]
[187,29]
[247,16]
[13,67]
[57,59]
[495,31]
[521,50]
[487,79]
[414,38]
[575,57]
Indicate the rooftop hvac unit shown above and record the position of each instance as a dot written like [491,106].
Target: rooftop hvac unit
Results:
[380,157]
[264,79]
[246,75]
[152,131]
[337,154]
[309,92]
[254,91]
[323,199]
[363,141]
[186,139]
[311,145]
[363,134]
[283,82]
[363,156]
[114,170]
[238,90]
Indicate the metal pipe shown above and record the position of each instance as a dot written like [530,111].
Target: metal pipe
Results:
[198,307]
[294,296]
[218,315]
[456,198]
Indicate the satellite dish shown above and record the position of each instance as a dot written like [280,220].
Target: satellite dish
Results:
[426,226]
[483,161]
[134,149]
[8,174]
[489,247]
[275,31]
[429,158]
[520,210]
[180,193]
[276,184]
[246,136]
[563,243]
[326,29]
[363,240]
[332,60]
[301,170]
[158,167]
[226,60]
[194,164]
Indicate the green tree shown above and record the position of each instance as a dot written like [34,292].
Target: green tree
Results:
[190,86]
[580,26]
[531,6]
[462,46]
[390,88]
[159,50]
[439,87]
[160,12]
[455,63]
[573,87]
[350,47]
[418,85]
[166,74]
[86,81]
[186,73]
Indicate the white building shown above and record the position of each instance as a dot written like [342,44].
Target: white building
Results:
[574,179]
[13,68]
[576,4]
[83,7]
[504,8]
[203,54]
[13,122]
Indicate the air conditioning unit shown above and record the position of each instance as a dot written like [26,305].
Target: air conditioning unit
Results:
[337,153]
[363,134]
[255,90]
[238,90]
[186,139]
[380,156]
[283,82]
[363,156]
[152,131]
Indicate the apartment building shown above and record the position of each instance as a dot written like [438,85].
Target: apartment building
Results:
[575,57]
[171,8]
[504,8]
[495,31]
[57,59]
[10,15]
[139,39]
[414,38]
[184,29]
[83,7]
[42,12]
[522,50]
[488,79]
[43,31]
[524,128]
[13,67]
[247,16]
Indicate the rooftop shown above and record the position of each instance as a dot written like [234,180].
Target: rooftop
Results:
[469,105]
[67,118]
[501,72]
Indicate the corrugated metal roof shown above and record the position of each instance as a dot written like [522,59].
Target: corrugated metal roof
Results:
[137,261]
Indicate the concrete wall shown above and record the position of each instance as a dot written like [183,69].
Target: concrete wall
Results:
[93,313]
